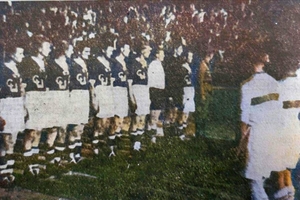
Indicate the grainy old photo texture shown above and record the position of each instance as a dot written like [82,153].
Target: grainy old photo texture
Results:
[139,99]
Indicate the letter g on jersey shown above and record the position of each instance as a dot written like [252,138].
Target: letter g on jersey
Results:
[81,79]
[12,86]
[39,82]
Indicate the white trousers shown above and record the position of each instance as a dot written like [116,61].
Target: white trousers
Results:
[258,191]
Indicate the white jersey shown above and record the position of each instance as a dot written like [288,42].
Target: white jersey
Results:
[260,104]
[290,125]
[156,75]
[257,96]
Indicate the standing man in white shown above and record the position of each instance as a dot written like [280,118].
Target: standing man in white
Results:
[259,103]
[156,82]
[289,127]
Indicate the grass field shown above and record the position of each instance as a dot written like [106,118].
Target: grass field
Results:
[171,169]
[201,168]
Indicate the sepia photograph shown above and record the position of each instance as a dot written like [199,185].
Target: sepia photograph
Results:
[150,99]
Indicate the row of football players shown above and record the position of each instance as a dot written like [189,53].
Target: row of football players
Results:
[58,92]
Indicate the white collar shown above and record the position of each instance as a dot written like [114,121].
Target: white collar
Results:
[187,66]
[104,61]
[12,66]
[122,61]
[40,62]
[82,63]
[63,65]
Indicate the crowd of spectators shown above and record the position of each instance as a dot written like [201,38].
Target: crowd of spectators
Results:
[201,26]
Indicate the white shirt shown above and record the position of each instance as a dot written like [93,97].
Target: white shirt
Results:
[289,91]
[261,84]
[156,75]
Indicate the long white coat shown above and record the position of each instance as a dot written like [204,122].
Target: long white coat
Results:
[264,140]
[290,124]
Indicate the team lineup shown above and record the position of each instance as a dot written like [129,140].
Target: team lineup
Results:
[69,73]
[59,86]
[69,88]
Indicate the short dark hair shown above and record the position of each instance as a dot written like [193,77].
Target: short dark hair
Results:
[10,47]
[36,43]
[80,45]
[59,48]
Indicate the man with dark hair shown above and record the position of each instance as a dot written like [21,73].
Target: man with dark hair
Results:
[11,106]
[174,87]
[138,75]
[120,91]
[204,95]
[79,98]
[188,96]
[33,72]
[11,99]
[289,127]
[58,77]
[259,104]
[100,78]
[156,83]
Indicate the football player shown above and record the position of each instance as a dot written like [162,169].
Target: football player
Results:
[120,92]
[79,98]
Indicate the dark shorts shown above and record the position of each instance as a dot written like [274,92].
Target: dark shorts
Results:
[174,102]
[158,99]
[174,98]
